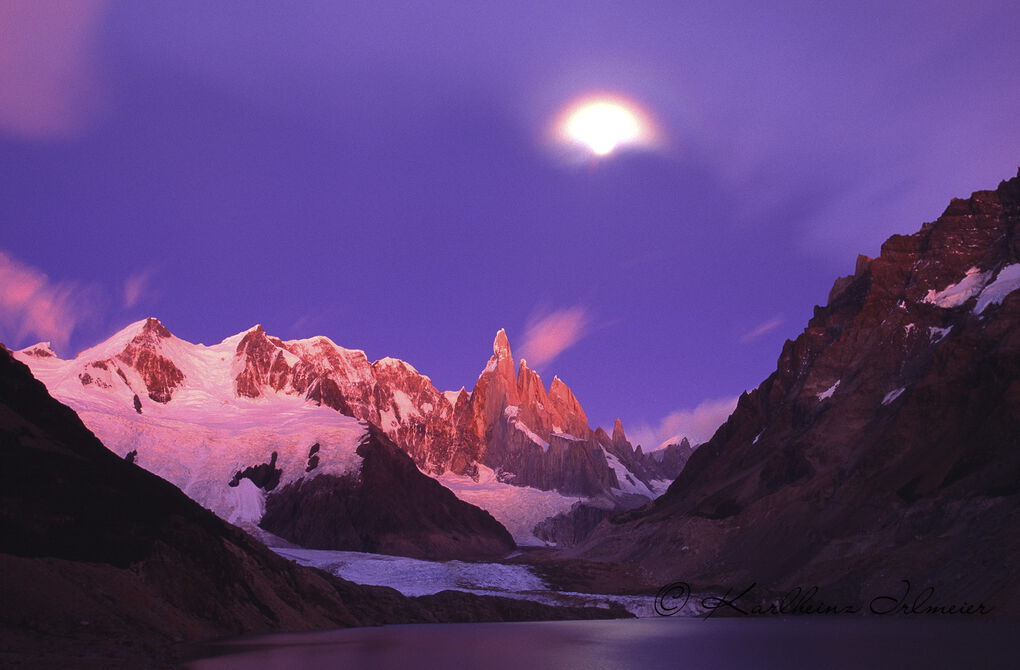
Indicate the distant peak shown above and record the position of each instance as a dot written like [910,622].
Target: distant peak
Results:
[153,325]
[501,345]
[254,333]
[149,325]
[391,362]
[618,434]
[558,389]
[40,349]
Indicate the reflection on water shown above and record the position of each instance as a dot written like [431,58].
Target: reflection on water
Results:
[641,644]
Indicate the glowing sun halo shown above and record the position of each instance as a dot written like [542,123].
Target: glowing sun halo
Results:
[602,124]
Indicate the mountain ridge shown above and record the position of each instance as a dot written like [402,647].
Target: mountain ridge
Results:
[151,394]
[885,441]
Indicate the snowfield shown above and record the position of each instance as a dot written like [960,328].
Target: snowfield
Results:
[206,434]
[956,294]
[201,454]
[1007,281]
[414,577]
[518,508]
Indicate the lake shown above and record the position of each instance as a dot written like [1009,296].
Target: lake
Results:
[717,644]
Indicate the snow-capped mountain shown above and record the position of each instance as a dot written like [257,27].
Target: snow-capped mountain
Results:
[236,421]
[887,439]
[106,565]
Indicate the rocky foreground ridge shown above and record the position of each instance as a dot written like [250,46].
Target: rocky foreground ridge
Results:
[886,445]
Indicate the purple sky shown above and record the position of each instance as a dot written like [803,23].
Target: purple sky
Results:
[381,174]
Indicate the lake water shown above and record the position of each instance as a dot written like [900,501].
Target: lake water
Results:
[717,644]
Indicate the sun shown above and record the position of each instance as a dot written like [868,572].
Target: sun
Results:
[601,124]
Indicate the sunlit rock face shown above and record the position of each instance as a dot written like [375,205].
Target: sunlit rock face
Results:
[886,438]
[139,362]
[542,439]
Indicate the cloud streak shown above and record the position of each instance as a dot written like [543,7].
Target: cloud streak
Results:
[761,329]
[49,87]
[136,287]
[33,305]
[547,337]
[697,424]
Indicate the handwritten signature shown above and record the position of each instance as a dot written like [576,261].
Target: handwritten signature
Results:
[673,599]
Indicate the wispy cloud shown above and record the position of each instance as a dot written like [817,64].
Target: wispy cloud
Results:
[548,336]
[136,287]
[49,86]
[761,329]
[31,305]
[697,424]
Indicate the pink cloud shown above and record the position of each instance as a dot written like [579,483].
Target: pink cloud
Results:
[136,287]
[49,84]
[549,336]
[32,305]
[761,329]
[697,424]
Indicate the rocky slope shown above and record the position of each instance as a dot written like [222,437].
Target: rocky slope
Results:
[106,565]
[886,445]
[388,507]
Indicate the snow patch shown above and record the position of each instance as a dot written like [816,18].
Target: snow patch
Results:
[518,508]
[938,334]
[568,436]
[629,483]
[993,294]
[892,395]
[451,396]
[659,486]
[289,358]
[388,419]
[249,503]
[404,405]
[519,425]
[827,393]
[758,437]
[396,363]
[511,412]
[957,294]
